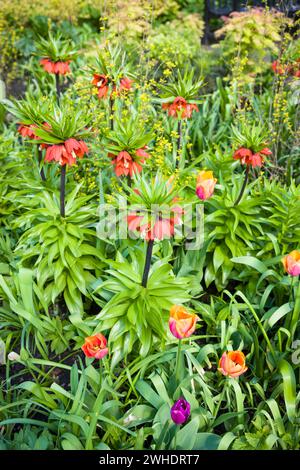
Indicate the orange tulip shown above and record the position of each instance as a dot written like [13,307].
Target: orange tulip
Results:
[182,323]
[205,184]
[232,363]
[95,346]
[291,263]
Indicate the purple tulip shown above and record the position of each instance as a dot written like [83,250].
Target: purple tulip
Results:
[180,411]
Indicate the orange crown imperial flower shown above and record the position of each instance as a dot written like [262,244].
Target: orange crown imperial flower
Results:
[95,346]
[125,84]
[180,108]
[163,227]
[67,152]
[232,364]
[27,131]
[182,323]
[246,156]
[127,164]
[291,263]
[59,67]
[101,82]
[205,184]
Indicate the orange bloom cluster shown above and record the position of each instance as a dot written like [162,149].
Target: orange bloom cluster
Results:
[60,67]
[102,83]
[162,227]
[27,130]
[95,346]
[66,153]
[125,84]
[246,156]
[288,69]
[125,164]
[180,108]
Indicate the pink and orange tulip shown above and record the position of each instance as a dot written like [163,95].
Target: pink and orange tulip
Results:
[182,323]
[205,185]
[291,263]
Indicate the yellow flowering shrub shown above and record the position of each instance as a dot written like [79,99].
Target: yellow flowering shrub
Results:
[133,18]
[177,40]
[255,33]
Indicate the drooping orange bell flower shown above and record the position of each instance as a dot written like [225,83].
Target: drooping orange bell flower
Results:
[291,263]
[27,131]
[125,84]
[182,323]
[288,69]
[101,82]
[67,152]
[126,164]
[246,156]
[59,67]
[180,108]
[278,68]
[163,227]
[232,363]
[205,184]
[95,346]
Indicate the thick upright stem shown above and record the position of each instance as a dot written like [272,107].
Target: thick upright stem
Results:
[129,180]
[243,186]
[295,315]
[179,132]
[147,262]
[177,369]
[40,157]
[58,91]
[62,190]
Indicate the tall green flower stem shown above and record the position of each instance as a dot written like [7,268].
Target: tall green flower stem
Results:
[296,314]
[179,143]
[178,361]
[40,158]
[259,323]
[243,185]
[57,84]
[222,394]
[62,190]
[239,396]
[147,262]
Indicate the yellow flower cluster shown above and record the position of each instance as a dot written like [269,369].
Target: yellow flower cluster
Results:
[162,146]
